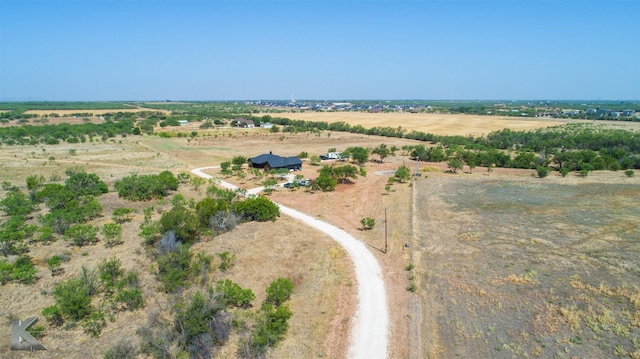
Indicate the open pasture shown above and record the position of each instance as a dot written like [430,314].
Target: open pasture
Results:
[439,124]
[528,267]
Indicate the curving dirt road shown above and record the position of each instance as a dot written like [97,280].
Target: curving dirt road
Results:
[370,325]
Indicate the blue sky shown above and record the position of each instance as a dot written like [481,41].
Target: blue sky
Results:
[236,50]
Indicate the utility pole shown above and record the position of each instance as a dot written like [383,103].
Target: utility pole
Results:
[386,240]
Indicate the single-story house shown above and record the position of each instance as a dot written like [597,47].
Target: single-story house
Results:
[241,122]
[269,161]
[183,122]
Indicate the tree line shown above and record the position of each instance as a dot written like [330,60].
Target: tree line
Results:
[603,148]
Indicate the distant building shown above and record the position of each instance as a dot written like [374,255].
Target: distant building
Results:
[241,122]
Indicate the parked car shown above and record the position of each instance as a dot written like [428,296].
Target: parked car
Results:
[304,183]
[288,185]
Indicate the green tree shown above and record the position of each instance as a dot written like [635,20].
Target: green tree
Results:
[226,195]
[109,273]
[585,169]
[325,183]
[174,268]
[208,207]
[383,151]
[455,165]
[358,154]
[629,173]
[122,214]
[279,291]
[403,174]
[34,182]
[55,195]
[542,171]
[83,184]
[196,182]
[112,234]
[183,221]
[16,203]
[344,173]
[259,209]
[225,168]
[471,159]
[271,327]
[201,324]
[269,184]
[13,232]
[146,187]
[72,298]
[168,181]
[525,160]
[367,223]
[315,160]
[234,295]
[81,234]
[239,160]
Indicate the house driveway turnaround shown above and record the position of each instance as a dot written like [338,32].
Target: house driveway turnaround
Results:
[370,325]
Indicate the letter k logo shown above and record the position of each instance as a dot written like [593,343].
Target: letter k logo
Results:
[21,339]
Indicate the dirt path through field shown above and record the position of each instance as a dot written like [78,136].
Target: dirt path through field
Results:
[370,326]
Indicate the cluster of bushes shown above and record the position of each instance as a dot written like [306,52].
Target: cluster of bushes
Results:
[71,203]
[54,134]
[203,321]
[146,187]
[70,206]
[120,291]
[21,270]
[271,320]
[329,176]
[13,232]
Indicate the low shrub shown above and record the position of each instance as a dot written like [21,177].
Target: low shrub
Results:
[233,294]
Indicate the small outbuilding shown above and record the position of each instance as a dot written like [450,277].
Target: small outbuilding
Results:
[270,161]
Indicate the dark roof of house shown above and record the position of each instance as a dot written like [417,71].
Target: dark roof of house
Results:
[276,161]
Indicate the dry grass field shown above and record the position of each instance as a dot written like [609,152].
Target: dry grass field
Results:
[525,267]
[439,124]
[505,265]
